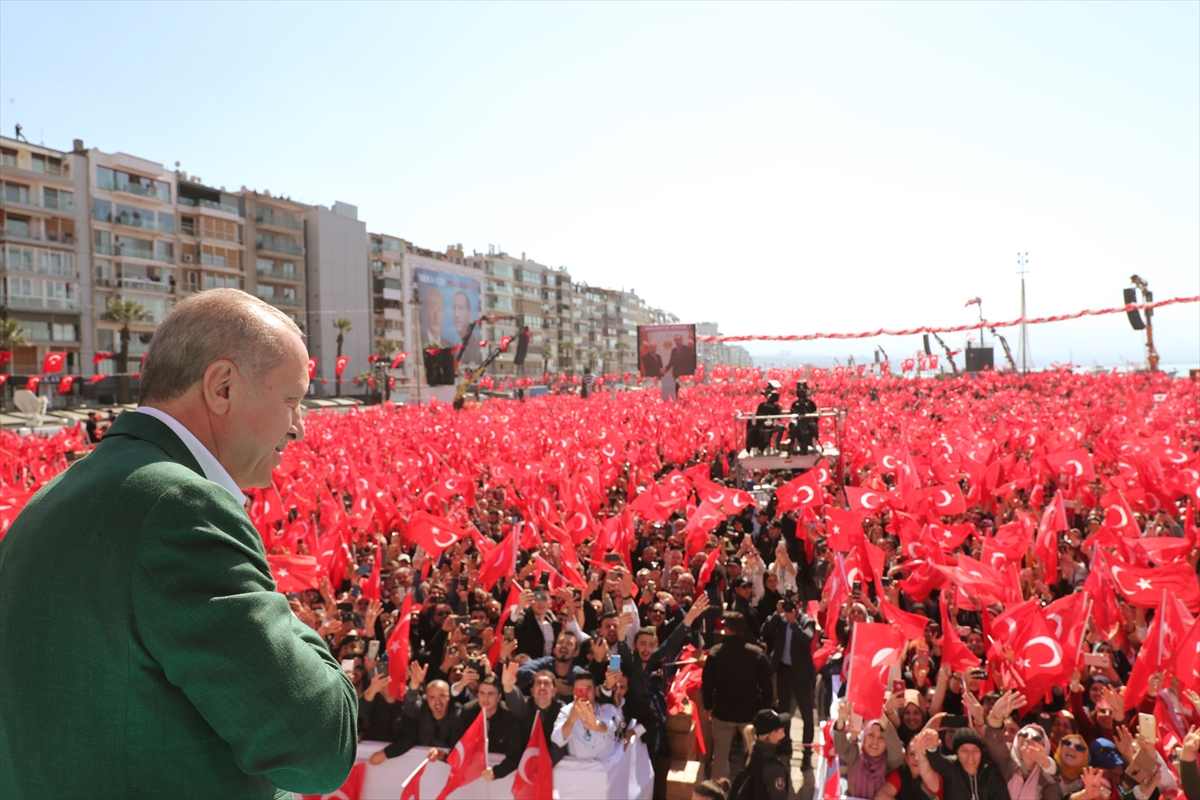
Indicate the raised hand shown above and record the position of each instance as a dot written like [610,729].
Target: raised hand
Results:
[1191,743]
[698,607]
[508,676]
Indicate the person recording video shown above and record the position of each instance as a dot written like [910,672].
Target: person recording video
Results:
[803,432]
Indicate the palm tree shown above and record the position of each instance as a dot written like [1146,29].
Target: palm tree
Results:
[12,336]
[343,326]
[124,313]
[621,346]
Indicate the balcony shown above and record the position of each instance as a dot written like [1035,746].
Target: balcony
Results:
[265,216]
[280,300]
[395,314]
[279,275]
[151,192]
[15,265]
[43,302]
[285,246]
[213,204]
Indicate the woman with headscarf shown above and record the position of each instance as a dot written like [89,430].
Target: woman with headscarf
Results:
[966,775]
[1072,759]
[1026,763]
[870,756]
[905,713]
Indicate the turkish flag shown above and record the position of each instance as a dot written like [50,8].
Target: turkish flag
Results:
[874,648]
[1168,630]
[911,625]
[32,383]
[294,573]
[731,501]
[96,378]
[499,562]
[840,525]
[710,563]
[864,501]
[1067,621]
[534,779]
[1045,547]
[351,789]
[1075,463]
[5,357]
[1118,515]
[397,649]
[1143,586]
[53,362]
[945,500]
[434,534]
[504,343]
[954,653]
[1187,659]
[468,759]
[974,578]
[96,359]
[312,368]
[411,788]
[703,520]
[340,366]
[399,359]
[64,386]
[798,492]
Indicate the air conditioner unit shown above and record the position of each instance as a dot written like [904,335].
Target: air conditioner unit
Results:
[187,258]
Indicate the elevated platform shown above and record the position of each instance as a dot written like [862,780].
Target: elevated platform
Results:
[774,459]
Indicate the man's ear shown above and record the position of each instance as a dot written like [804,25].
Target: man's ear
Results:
[216,384]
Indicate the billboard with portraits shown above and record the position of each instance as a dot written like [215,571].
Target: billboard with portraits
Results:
[448,305]
[666,350]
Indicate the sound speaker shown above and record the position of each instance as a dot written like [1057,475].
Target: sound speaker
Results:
[1135,319]
[439,367]
[979,359]
[522,347]
[928,352]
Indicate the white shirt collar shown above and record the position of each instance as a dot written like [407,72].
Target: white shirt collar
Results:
[208,463]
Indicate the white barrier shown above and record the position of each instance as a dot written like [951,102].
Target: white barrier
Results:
[628,775]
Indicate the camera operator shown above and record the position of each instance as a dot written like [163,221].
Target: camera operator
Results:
[803,432]
[765,431]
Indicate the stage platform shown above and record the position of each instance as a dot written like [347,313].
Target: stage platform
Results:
[774,459]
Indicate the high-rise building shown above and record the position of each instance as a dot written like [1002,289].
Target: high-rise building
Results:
[524,293]
[712,353]
[43,214]
[276,227]
[389,304]
[337,289]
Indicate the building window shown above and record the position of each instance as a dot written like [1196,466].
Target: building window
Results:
[102,210]
[16,193]
[102,242]
[8,158]
[55,198]
[165,251]
[64,332]
[48,165]
[289,269]
[266,292]
[17,226]
[104,340]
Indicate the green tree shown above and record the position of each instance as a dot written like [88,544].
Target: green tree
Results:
[124,313]
[387,349]
[343,326]
[12,336]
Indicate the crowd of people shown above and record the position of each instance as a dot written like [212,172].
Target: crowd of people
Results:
[643,580]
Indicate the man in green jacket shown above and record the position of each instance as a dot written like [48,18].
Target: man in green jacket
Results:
[144,650]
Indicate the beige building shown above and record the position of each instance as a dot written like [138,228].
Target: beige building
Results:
[43,216]
[275,266]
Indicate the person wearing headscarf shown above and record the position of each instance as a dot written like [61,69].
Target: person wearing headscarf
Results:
[874,752]
[1072,759]
[966,775]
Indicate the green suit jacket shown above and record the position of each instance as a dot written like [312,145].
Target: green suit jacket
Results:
[144,651]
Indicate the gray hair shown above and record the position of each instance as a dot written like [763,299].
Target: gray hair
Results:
[210,326]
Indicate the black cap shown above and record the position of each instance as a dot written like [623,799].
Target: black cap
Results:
[964,736]
[767,721]
[789,605]
[741,581]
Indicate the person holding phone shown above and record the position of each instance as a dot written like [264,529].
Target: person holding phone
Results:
[536,627]
[587,730]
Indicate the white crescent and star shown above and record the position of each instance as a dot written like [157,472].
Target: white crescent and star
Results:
[1056,653]
[882,656]
[805,500]
[435,531]
[866,501]
[947,497]
[529,754]
[1078,467]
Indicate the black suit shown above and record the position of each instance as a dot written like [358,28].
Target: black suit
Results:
[530,638]
[683,361]
[652,365]
[797,680]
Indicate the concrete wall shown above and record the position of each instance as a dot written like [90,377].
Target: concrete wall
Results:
[337,285]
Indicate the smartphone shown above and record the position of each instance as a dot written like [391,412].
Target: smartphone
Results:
[1095,659]
[899,687]
[540,596]
[348,666]
[858,587]
[470,632]
[885,582]
[612,558]
[373,649]
[347,616]
[614,665]
[1148,728]
[579,594]
[954,721]
[581,693]
[464,620]
[510,632]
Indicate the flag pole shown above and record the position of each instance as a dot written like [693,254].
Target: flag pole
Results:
[415,772]
[1087,613]
[1162,629]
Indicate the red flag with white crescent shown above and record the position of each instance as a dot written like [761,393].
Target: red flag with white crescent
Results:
[874,648]
[468,759]
[350,790]
[534,779]
[398,650]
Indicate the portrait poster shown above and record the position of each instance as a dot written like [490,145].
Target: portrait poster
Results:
[666,350]
[449,303]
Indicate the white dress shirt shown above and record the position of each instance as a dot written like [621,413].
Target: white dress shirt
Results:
[209,465]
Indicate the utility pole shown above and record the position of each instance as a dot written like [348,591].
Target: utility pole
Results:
[1022,262]
[420,354]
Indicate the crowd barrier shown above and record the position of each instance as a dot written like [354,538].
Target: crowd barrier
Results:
[629,774]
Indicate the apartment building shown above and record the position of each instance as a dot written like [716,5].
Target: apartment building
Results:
[389,302]
[43,216]
[524,293]
[276,227]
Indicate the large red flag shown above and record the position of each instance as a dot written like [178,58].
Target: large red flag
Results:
[1075,463]
[945,500]
[874,648]
[468,759]
[434,534]
[1143,586]
[351,789]
[398,650]
[864,501]
[705,518]
[53,362]
[1045,547]
[911,625]
[501,561]
[340,365]
[803,491]
[1187,658]
[294,573]
[1167,632]
[535,776]
[954,653]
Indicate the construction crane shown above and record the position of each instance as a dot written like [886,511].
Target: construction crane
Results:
[949,357]
[1147,297]
[1004,343]
[460,396]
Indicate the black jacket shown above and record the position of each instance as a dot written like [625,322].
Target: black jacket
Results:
[530,639]
[803,631]
[503,736]
[431,732]
[527,711]
[988,782]
[736,682]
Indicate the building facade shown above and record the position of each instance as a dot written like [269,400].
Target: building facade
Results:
[275,226]
[337,288]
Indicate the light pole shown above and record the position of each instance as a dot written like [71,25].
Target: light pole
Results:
[416,304]
[1022,261]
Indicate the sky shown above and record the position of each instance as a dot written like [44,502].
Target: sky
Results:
[776,168]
